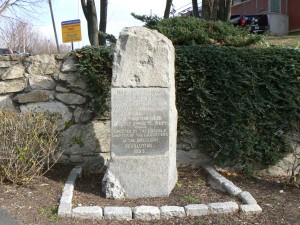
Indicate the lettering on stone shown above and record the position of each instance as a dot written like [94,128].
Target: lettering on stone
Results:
[140,121]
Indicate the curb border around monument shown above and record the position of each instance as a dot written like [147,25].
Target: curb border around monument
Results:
[249,204]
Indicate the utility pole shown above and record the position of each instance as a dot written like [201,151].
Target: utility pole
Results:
[53,23]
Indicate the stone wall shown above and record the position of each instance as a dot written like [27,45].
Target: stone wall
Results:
[51,83]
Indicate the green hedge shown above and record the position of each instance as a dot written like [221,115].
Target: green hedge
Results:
[242,101]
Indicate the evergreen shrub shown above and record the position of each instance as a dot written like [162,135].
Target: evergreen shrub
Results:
[195,31]
[94,64]
[242,101]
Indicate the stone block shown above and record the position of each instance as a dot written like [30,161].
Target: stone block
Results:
[250,209]
[146,213]
[196,210]
[41,83]
[167,212]
[223,207]
[6,103]
[88,212]
[117,213]
[231,188]
[12,86]
[64,209]
[247,198]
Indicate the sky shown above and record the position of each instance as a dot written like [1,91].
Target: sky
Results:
[118,15]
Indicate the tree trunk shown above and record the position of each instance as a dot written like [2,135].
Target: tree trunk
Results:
[90,13]
[168,9]
[103,21]
[195,8]
[227,10]
[206,9]
[221,11]
[214,10]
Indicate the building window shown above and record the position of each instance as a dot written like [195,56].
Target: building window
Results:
[274,5]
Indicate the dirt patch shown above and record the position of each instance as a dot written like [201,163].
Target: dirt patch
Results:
[37,202]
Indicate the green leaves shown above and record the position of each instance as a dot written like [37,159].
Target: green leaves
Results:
[194,31]
[94,64]
[238,99]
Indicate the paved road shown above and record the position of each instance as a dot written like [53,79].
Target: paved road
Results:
[6,219]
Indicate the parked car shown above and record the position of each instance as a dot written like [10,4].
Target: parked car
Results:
[21,53]
[6,51]
[255,23]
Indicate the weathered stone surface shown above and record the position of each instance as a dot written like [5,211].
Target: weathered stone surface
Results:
[61,89]
[247,198]
[52,107]
[112,187]
[41,83]
[73,80]
[250,209]
[69,65]
[4,64]
[6,103]
[34,96]
[223,207]
[70,98]
[40,64]
[95,162]
[215,175]
[193,157]
[91,137]
[231,188]
[14,72]
[76,159]
[146,213]
[85,144]
[167,212]
[102,131]
[65,209]
[12,86]
[88,212]
[147,167]
[117,213]
[196,210]
[143,58]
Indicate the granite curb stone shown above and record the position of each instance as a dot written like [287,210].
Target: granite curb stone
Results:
[247,198]
[65,204]
[117,213]
[196,210]
[149,213]
[172,211]
[146,213]
[250,209]
[223,207]
[88,212]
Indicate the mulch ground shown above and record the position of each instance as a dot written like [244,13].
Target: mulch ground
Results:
[36,203]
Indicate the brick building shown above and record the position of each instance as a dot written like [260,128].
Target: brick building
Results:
[283,15]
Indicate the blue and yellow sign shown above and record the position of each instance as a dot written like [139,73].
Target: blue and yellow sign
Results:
[71,31]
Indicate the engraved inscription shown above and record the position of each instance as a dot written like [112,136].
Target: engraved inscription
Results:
[139,120]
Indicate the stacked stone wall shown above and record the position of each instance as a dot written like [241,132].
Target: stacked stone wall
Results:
[52,83]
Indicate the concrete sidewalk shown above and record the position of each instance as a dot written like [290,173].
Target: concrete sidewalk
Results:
[6,219]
